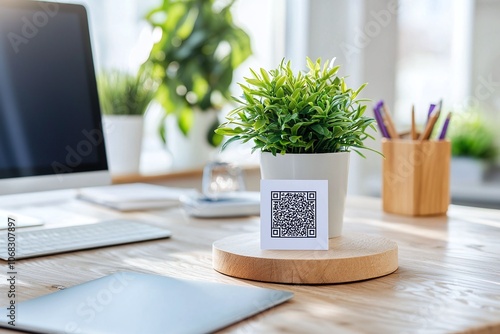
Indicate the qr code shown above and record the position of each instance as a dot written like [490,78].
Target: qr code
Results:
[293,214]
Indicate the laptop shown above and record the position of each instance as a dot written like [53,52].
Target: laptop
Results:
[128,302]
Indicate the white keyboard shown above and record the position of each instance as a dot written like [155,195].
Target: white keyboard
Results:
[65,239]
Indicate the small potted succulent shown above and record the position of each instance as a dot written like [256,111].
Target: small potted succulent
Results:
[124,99]
[305,125]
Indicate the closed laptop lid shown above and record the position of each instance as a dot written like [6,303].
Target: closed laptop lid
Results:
[128,302]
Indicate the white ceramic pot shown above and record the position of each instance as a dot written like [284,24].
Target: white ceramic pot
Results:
[123,135]
[333,167]
[191,151]
[467,170]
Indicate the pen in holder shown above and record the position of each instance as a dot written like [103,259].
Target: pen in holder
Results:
[416,177]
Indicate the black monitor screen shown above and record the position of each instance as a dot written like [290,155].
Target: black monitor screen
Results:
[49,109]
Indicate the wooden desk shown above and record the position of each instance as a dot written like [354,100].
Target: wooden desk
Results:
[448,279]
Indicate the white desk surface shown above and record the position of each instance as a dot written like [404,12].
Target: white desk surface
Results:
[448,278]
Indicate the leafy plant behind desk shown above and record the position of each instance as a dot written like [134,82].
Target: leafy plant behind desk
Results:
[471,136]
[121,93]
[199,49]
[286,112]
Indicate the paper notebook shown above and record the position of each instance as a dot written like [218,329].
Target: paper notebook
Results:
[127,302]
[20,219]
[134,196]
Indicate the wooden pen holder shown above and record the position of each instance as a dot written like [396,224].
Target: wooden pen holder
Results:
[416,177]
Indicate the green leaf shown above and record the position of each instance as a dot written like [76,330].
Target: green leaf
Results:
[318,128]
[256,82]
[280,93]
[280,81]
[259,124]
[214,138]
[265,76]
[227,131]
[184,120]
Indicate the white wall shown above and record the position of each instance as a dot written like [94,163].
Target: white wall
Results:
[485,78]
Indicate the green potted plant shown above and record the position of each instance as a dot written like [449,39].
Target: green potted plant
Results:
[473,146]
[124,99]
[305,124]
[199,49]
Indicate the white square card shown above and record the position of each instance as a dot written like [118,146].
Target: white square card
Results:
[294,214]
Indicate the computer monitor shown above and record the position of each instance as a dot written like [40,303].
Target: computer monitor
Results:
[51,134]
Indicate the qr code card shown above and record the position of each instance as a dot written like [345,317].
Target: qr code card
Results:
[294,214]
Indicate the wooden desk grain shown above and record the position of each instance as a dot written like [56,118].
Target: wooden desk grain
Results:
[448,278]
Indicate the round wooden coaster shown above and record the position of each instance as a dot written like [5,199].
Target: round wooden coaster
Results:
[351,257]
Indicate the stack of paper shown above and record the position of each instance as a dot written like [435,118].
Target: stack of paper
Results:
[237,204]
[20,220]
[134,196]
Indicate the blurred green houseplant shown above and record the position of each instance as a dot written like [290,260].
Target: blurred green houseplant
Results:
[194,60]
[471,136]
[121,93]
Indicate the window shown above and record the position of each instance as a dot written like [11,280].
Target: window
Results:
[122,39]
[433,56]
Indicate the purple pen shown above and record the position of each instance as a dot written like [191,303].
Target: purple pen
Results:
[380,110]
[442,135]
[431,109]
[380,120]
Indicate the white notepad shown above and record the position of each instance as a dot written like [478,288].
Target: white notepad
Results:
[20,220]
[127,302]
[134,196]
[239,204]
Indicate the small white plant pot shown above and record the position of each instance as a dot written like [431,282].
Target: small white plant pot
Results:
[333,167]
[123,135]
[467,170]
[191,151]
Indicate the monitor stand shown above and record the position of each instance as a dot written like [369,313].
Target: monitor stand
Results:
[21,220]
